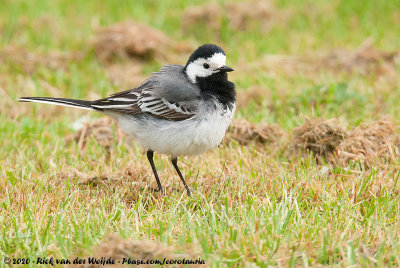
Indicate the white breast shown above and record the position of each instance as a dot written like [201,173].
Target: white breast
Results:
[193,136]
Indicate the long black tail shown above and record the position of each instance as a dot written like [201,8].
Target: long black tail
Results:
[82,104]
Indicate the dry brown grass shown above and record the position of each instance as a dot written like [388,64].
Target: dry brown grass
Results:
[241,15]
[136,178]
[126,75]
[248,14]
[129,182]
[364,60]
[253,94]
[319,136]
[118,248]
[132,39]
[245,132]
[43,22]
[102,131]
[209,15]
[28,86]
[371,142]
[117,179]
[29,60]
[129,39]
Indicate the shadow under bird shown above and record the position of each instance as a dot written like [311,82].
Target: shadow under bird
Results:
[180,110]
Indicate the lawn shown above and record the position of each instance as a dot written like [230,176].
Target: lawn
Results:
[265,200]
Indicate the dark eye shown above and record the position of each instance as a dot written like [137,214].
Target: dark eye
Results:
[206,66]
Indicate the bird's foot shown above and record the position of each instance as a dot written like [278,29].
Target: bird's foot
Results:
[189,193]
[158,190]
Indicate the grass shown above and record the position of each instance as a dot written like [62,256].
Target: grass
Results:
[250,206]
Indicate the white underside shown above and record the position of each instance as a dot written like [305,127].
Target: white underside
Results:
[192,136]
[202,132]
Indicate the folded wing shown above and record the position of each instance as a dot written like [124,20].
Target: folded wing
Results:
[168,95]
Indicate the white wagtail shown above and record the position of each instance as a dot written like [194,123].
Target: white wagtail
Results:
[179,110]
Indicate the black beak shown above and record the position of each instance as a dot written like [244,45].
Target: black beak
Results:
[225,69]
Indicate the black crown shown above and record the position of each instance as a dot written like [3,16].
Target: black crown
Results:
[205,51]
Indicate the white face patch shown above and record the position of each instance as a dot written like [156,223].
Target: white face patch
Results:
[197,69]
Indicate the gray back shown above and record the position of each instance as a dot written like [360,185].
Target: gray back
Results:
[172,84]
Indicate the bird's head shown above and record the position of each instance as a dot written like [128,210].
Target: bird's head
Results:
[206,61]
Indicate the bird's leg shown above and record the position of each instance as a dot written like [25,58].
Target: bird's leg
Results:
[150,154]
[175,163]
